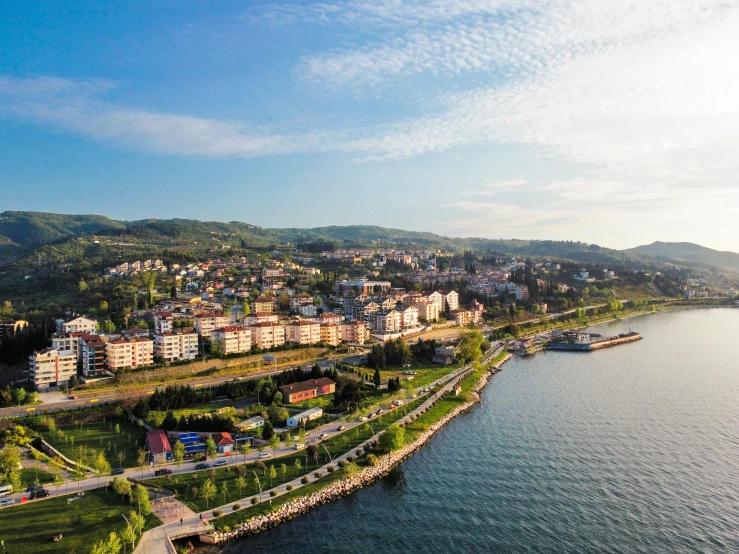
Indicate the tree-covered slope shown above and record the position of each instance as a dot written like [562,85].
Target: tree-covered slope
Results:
[690,253]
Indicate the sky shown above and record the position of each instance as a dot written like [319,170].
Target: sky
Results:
[614,123]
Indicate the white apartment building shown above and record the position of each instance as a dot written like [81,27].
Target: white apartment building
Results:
[67,341]
[267,334]
[387,322]
[354,332]
[303,332]
[232,339]
[129,353]
[176,346]
[408,317]
[51,367]
[163,322]
[79,324]
[207,323]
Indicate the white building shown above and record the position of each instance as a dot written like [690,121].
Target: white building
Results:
[303,417]
[79,324]
[129,353]
[51,367]
[163,322]
[303,332]
[176,346]
[232,339]
[206,323]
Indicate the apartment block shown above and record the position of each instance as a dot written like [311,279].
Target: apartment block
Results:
[263,304]
[176,346]
[163,322]
[77,325]
[267,334]
[51,367]
[232,339]
[92,355]
[354,332]
[127,353]
[303,332]
[205,324]
[330,334]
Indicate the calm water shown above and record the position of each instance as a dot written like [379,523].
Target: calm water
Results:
[630,449]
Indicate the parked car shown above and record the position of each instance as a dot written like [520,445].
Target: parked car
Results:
[39,493]
[163,471]
[363,418]
[378,412]
[263,455]
[202,465]
[220,463]
[323,436]
[6,502]
[298,446]
[341,427]
[119,471]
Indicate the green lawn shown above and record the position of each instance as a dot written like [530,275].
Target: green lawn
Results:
[28,528]
[325,402]
[30,474]
[337,445]
[84,442]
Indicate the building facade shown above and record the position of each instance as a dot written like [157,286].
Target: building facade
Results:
[267,334]
[303,332]
[232,339]
[175,346]
[127,353]
[51,367]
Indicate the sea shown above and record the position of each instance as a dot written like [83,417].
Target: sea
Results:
[628,449]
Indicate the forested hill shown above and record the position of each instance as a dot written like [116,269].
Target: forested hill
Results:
[689,253]
[58,238]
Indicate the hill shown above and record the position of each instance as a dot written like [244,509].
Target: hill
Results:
[687,252]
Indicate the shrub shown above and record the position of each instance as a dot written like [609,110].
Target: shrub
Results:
[236,507]
[254,500]
[358,452]
[330,469]
[289,487]
[317,474]
[273,493]
[305,480]
[227,528]
[372,459]
[366,447]
[350,458]
[217,512]
[342,463]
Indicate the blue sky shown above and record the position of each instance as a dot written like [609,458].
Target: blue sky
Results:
[614,124]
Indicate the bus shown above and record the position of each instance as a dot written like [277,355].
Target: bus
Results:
[6,490]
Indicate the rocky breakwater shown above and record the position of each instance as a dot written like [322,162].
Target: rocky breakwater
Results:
[349,484]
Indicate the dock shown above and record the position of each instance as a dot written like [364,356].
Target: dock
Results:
[623,338]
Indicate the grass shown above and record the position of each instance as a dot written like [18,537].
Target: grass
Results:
[325,402]
[337,445]
[28,528]
[30,474]
[83,442]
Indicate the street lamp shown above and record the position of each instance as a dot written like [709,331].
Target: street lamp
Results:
[259,484]
[327,452]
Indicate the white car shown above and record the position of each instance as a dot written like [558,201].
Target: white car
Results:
[6,502]
[298,446]
[263,455]
[323,436]
[363,418]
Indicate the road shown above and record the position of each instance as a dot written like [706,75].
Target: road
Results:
[57,404]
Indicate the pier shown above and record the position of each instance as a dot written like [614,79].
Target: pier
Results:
[595,345]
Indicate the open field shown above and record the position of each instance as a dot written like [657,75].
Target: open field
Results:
[83,442]
[30,474]
[28,528]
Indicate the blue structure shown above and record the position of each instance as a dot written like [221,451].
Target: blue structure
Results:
[192,442]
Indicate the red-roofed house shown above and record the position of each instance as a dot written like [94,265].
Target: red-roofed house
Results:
[224,442]
[158,446]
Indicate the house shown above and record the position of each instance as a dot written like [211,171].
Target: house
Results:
[303,332]
[157,445]
[443,355]
[267,334]
[354,332]
[51,367]
[297,392]
[251,423]
[232,339]
[131,352]
[163,322]
[136,332]
[224,442]
[79,324]
[91,349]
[175,346]
[304,417]
[258,317]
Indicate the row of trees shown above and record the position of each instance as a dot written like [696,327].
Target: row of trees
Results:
[393,353]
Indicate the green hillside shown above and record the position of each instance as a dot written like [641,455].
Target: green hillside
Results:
[688,252]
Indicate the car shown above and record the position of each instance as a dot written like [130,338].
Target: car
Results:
[263,455]
[378,412]
[323,436]
[202,465]
[120,471]
[6,502]
[406,365]
[163,471]
[220,463]
[341,427]
[363,418]
[39,493]
[298,446]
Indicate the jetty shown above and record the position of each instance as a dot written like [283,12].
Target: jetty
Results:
[623,338]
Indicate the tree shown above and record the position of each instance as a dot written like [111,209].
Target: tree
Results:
[141,498]
[274,444]
[267,430]
[128,536]
[103,307]
[255,483]
[111,546]
[121,457]
[377,379]
[283,470]
[272,474]
[277,398]
[208,491]
[82,286]
[289,439]
[298,466]
[137,521]
[245,450]
[173,291]
[14,479]
[122,487]
[141,460]
[240,483]
[178,454]
[19,395]
[470,346]
[101,466]
[210,446]
[224,490]
[10,459]
[393,438]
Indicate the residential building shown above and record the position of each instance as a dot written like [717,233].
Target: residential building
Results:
[387,322]
[51,367]
[67,341]
[129,353]
[467,317]
[522,292]
[267,334]
[307,310]
[434,297]
[11,327]
[136,332]
[92,355]
[451,299]
[298,300]
[362,286]
[427,311]
[303,332]
[251,423]
[263,304]
[157,445]
[175,346]
[79,324]
[224,442]
[330,334]
[303,417]
[258,317]
[232,339]
[354,332]
[443,355]
[206,323]
[163,322]
[297,392]
[408,317]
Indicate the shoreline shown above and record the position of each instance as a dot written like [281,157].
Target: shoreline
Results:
[366,476]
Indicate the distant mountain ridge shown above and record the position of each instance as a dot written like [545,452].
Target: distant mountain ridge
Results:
[689,252]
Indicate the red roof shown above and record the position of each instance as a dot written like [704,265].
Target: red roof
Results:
[158,443]
[306,385]
[223,439]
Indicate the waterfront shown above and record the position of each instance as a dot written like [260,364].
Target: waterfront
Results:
[630,449]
